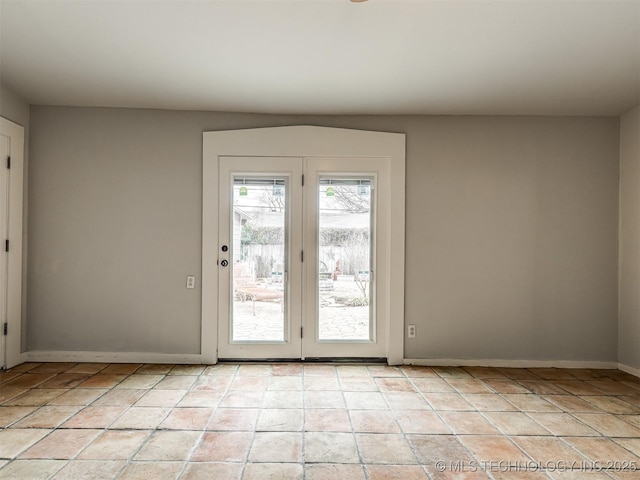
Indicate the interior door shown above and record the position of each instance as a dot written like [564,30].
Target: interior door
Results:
[301,274]
[4,209]
[11,176]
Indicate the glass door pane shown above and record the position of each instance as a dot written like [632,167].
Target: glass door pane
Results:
[344,258]
[258,244]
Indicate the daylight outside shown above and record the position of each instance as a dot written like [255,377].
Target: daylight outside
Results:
[344,247]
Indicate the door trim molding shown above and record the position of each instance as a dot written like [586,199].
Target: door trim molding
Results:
[302,141]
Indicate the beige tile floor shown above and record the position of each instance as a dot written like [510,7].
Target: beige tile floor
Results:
[316,421]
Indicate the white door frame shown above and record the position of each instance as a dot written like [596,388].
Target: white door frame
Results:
[303,141]
[13,339]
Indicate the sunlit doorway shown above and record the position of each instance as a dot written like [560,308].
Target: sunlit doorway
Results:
[298,260]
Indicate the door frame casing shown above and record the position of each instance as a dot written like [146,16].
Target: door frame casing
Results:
[303,141]
[13,350]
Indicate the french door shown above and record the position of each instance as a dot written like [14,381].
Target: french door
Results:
[302,257]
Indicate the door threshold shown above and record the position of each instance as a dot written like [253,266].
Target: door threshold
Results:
[334,360]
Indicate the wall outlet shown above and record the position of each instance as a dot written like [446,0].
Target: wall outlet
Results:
[191,281]
[411,331]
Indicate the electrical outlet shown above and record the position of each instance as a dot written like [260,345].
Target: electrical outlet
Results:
[191,281]
[411,331]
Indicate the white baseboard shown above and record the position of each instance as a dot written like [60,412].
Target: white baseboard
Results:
[176,358]
[453,362]
[631,370]
[113,357]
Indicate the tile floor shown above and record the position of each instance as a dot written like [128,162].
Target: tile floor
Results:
[316,421]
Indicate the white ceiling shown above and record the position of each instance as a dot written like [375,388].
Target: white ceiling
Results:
[543,57]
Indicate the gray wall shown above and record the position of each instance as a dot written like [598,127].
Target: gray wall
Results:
[629,307]
[511,238]
[14,108]
[511,231]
